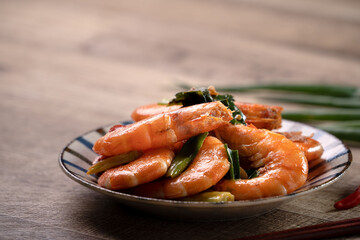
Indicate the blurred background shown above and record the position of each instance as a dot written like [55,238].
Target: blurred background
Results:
[70,66]
[107,57]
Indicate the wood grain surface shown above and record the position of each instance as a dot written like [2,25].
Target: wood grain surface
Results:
[69,66]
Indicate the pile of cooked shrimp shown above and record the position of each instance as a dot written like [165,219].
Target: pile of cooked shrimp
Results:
[142,158]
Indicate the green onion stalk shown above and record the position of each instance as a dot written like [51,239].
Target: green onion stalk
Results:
[186,155]
[312,89]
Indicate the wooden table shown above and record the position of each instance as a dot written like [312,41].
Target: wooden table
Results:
[70,66]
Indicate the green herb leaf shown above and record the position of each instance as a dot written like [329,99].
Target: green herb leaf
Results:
[228,101]
[202,95]
[187,153]
[192,97]
[233,157]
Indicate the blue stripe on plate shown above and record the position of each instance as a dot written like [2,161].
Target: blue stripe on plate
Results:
[78,155]
[338,155]
[87,179]
[85,142]
[329,170]
[74,165]
[127,122]
[333,176]
[313,168]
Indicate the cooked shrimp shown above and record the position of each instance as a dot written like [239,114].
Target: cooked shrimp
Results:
[151,165]
[261,116]
[150,110]
[208,167]
[312,148]
[164,129]
[283,168]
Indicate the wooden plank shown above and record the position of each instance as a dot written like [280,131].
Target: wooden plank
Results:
[22,229]
[185,52]
[70,66]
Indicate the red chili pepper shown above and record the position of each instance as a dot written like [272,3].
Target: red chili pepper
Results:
[350,201]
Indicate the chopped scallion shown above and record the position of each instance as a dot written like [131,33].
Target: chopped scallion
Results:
[113,161]
[233,157]
[187,153]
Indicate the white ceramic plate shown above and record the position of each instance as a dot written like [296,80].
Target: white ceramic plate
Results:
[77,156]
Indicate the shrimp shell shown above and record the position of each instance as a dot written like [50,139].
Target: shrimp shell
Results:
[312,148]
[261,116]
[209,166]
[150,166]
[164,130]
[284,168]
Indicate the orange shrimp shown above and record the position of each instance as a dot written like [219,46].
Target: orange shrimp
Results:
[208,167]
[283,165]
[150,110]
[312,148]
[151,165]
[164,129]
[261,116]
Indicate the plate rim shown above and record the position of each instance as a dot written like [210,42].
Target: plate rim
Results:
[239,203]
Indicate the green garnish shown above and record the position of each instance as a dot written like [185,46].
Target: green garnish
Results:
[345,124]
[345,133]
[211,196]
[339,102]
[322,114]
[113,161]
[186,155]
[192,97]
[203,95]
[236,172]
[233,157]
[228,101]
[313,89]
[252,173]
